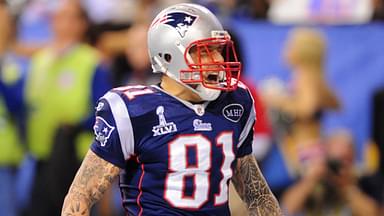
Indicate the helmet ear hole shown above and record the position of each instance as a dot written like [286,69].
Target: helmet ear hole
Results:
[167,57]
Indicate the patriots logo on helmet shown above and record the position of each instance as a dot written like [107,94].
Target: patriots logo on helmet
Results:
[181,21]
[102,130]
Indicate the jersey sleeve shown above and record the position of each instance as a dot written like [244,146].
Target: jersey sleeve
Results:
[113,130]
[244,147]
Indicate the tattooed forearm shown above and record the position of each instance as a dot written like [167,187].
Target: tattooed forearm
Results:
[253,189]
[91,181]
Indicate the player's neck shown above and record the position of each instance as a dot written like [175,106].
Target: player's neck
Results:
[176,89]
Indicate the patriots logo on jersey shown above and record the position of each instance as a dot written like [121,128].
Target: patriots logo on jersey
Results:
[102,130]
[181,21]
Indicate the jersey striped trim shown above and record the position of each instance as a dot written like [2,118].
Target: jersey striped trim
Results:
[123,123]
[249,125]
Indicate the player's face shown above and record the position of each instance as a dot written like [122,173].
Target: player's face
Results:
[209,57]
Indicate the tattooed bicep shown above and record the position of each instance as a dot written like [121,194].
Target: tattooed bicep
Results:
[95,176]
[95,171]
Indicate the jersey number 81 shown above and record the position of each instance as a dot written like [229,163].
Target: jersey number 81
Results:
[179,170]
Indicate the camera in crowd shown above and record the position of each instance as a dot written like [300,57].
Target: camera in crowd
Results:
[334,165]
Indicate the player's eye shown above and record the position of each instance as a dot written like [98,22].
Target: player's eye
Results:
[201,50]
[216,47]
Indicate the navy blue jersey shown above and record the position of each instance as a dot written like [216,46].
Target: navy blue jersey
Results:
[176,157]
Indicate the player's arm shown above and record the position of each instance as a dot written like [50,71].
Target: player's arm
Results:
[253,189]
[91,181]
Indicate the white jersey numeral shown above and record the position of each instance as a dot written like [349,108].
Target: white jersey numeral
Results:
[225,140]
[179,169]
[132,91]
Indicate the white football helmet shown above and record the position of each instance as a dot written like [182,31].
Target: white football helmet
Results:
[179,30]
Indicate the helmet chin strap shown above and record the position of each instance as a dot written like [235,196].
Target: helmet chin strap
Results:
[207,94]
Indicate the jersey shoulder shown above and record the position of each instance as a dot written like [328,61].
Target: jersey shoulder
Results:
[138,99]
[244,91]
[241,95]
[135,92]
[236,105]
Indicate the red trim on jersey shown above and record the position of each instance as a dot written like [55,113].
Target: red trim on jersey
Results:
[141,191]
[183,195]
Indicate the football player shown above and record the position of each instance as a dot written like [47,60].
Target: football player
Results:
[176,145]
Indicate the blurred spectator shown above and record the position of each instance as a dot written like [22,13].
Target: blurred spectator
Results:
[35,20]
[34,25]
[123,12]
[108,33]
[230,8]
[65,80]
[133,67]
[223,9]
[321,11]
[378,139]
[11,110]
[256,9]
[378,13]
[329,185]
[112,40]
[308,99]
[378,125]
[112,11]
[136,52]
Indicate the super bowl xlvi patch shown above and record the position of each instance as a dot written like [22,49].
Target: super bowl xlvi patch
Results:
[163,127]
[233,112]
[102,130]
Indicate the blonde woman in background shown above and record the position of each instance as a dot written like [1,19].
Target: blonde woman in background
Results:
[308,98]
[323,166]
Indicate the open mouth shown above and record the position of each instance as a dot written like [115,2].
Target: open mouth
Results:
[212,78]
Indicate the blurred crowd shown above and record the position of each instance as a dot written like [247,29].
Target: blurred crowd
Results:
[58,57]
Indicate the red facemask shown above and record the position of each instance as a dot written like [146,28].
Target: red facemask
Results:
[222,74]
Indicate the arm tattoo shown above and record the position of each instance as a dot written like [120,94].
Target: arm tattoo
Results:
[91,181]
[253,189]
